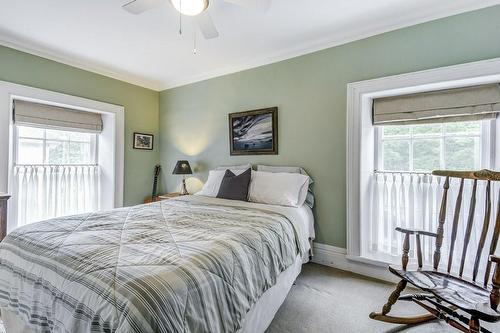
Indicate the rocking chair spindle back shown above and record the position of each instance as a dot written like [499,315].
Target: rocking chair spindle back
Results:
[454,229]
[446,294]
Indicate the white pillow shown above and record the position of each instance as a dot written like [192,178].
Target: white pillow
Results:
[235,167]
[212,185]
[283,189]
[309,196]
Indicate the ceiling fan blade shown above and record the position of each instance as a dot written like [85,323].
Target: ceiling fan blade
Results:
[206,25]
[140,6]
[260,5]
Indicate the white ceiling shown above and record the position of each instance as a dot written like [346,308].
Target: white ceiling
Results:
[147,50]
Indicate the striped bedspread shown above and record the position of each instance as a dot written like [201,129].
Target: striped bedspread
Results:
[170,266]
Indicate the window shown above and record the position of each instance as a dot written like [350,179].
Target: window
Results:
[38,146]
[55,173]
[392,146]
[404,193]
[427,147]
[24,106]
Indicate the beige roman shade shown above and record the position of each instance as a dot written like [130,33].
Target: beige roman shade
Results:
[49,116]
[459,104]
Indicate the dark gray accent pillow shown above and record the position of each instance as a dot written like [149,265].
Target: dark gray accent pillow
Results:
[235,187]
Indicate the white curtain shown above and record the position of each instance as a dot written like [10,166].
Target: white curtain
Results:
[43,192]
[413,201]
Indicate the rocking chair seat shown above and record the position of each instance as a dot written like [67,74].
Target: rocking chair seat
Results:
[465,295]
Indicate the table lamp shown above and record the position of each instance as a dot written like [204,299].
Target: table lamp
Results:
[183,168]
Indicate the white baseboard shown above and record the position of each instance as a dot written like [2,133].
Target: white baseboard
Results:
[329,255]
[336,257]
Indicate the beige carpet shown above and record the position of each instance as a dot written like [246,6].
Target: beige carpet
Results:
[324,299]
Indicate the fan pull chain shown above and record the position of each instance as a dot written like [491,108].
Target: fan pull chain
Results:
[194,46]
[180,17]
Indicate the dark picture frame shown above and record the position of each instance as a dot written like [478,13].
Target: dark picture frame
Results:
[143,141]
[254,132]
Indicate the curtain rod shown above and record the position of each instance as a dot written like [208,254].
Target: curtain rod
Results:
[402,172]
[55,165]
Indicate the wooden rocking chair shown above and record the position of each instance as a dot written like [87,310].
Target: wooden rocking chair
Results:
[444,294]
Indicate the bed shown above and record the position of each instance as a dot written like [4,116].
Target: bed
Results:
[191,264]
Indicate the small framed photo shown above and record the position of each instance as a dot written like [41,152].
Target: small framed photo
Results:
[143,141]
[254,132]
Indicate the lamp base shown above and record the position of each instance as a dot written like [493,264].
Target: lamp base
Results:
[184,190]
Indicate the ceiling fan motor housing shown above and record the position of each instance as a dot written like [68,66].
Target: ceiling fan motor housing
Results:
[190,7]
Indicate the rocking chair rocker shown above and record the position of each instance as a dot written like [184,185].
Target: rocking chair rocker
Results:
[444,294]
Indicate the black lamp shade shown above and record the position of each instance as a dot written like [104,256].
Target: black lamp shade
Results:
[182,168]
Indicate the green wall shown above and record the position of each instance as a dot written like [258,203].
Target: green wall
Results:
[141,107]
[310,92]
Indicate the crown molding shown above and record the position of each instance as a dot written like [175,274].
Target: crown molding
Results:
[17,44]
[326,43]
[366,31]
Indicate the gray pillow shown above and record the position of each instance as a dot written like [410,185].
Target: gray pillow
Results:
[235,187]
[286,169]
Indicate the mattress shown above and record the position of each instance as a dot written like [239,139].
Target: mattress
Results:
[193,264]
[263,311]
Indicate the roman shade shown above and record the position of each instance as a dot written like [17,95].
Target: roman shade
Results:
[50,116]
[459,104]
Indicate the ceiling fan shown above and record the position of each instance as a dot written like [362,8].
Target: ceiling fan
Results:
[197,8]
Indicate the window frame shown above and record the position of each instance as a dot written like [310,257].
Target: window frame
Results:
[486,140]
[360,145]
[94,147]
[112,139]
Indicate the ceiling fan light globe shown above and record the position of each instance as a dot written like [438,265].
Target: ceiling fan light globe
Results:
[190,7]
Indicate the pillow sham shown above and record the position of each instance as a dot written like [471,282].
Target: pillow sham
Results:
[309,200]
[235,167]
[212,185]
[287,169]
[235,187]
[283,189]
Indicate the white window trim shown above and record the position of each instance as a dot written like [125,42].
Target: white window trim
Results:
[360,131]
[114,131]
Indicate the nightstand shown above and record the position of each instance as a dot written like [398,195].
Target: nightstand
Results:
[162,197]
[3,214]
[169,196]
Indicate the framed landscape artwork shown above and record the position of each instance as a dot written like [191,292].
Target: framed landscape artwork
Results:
[254,132]
[143,141]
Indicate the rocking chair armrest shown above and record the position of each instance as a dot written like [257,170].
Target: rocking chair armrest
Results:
[406,244]
[416,232]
